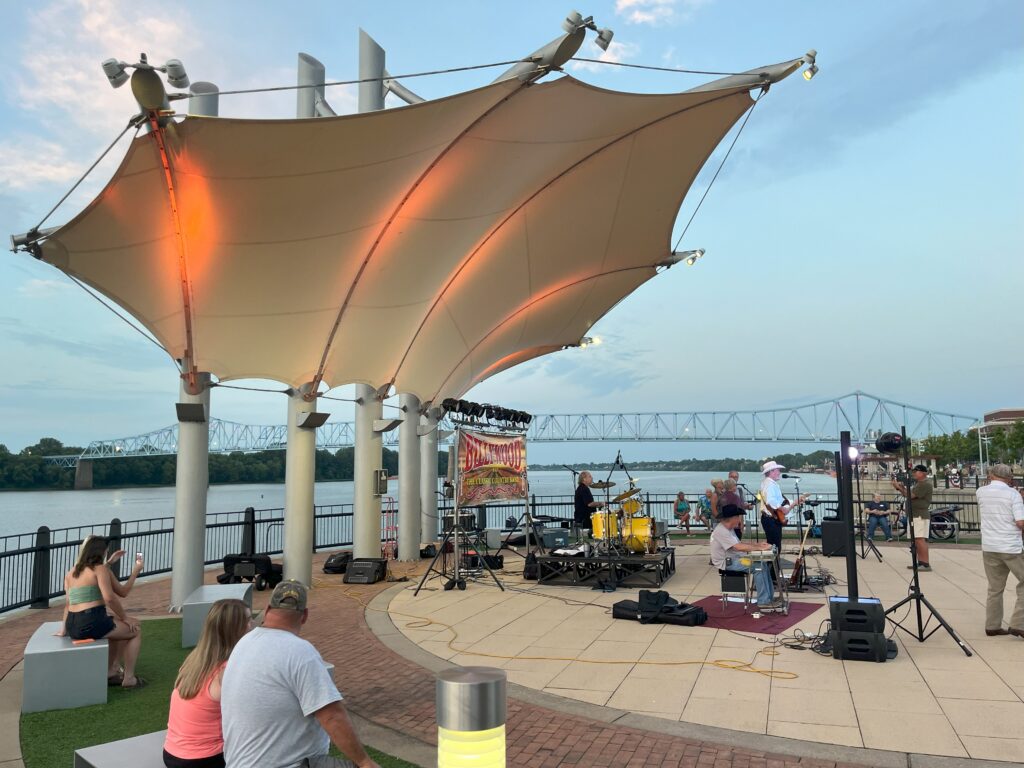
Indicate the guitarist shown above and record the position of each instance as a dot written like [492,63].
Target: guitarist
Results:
[774,506]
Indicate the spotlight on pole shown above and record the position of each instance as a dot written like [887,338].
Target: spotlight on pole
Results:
[176,74]
[853,452]
[604,38]
[690,257]
[809,58]
[890,442]
[115,72]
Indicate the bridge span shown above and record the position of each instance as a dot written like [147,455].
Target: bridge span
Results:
[865,416]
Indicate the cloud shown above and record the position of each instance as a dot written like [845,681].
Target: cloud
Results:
[616,52]
[28,161]
[657,12]
[42,289]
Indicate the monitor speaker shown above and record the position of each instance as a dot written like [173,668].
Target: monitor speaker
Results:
[864,614]
[833,538]
[862,646]
[366,570]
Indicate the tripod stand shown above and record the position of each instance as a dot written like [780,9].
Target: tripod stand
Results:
[457,537]
[916,599]
[866,544]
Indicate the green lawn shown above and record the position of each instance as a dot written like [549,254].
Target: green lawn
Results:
[49,739]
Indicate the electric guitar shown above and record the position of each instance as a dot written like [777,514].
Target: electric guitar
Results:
[778,514]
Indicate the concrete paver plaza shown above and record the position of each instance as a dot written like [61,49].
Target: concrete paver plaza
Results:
[586,689]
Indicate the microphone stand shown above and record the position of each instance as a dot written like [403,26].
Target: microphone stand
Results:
[753,503]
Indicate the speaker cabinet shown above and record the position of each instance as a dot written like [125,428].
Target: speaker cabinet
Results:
[861,646]
[366,570]
[862,615]
[833,538]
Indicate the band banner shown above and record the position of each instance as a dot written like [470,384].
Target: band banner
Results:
[491,467]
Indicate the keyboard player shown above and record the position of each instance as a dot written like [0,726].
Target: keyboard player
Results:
[727,550]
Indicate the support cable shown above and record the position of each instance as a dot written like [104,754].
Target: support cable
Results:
[135,123]
[720,166]
[130,324]
[361,80]
[677,70]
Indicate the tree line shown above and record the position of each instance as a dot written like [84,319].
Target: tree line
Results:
[1005,445]
[26,470]
[794,461]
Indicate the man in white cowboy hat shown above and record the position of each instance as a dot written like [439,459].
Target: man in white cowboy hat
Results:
[774,506]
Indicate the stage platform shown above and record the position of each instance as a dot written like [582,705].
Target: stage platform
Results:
[629,570]
[931,699]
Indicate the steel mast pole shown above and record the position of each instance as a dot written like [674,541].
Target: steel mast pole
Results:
[428,476]
[409,479]
[192,471]
[368,454]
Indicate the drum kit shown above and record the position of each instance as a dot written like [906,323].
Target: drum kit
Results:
[625,529]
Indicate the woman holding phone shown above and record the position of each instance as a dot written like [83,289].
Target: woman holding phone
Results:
[93,610]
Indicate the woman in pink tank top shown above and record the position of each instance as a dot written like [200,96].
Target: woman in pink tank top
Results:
[194,738]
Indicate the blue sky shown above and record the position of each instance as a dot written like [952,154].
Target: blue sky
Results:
[865,233]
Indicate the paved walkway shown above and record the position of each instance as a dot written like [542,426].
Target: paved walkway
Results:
[395,696]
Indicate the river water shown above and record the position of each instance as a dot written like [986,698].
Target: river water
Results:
[22,512]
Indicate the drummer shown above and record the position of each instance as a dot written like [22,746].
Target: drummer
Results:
[585,504]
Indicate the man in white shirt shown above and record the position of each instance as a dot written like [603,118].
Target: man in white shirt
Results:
[775,507]
[727,551]
[1002,549]
[279,706]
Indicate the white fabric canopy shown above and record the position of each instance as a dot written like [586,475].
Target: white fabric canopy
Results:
[426,247]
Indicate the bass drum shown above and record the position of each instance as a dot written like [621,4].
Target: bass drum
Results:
[638,534]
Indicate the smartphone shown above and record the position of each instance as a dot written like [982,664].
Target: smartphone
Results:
[138,555]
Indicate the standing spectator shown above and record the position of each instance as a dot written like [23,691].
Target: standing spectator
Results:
[920,499]
[194,738]
[1002,550]
[279,707]
[735,477]
[878,515]
[682,511]
[732,496]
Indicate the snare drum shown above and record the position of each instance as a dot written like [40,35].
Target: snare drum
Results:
[638,534]
[597,523]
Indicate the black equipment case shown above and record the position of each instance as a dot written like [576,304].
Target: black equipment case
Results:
[255,568]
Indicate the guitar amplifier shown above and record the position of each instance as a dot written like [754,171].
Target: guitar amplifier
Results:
[366,570]
[834,537]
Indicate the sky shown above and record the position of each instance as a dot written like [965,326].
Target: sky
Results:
[865,233]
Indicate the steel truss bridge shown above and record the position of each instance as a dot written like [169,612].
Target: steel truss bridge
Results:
[864,416]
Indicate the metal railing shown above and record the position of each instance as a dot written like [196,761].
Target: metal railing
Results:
[33,565]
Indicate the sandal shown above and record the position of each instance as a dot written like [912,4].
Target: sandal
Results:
[139,683]
[115,680]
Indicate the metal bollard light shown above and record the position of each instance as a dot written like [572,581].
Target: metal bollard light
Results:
[471,718]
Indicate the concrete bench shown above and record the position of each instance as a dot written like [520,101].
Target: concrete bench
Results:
[198,604]
[146,751]
[61,675]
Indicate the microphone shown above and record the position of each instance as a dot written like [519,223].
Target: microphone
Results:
[792,477]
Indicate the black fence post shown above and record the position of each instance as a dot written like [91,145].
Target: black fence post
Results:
[114,538]
[41,569]
[313,512]
[248,532]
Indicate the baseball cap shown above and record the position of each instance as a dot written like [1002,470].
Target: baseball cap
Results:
[289,595]
[920,468]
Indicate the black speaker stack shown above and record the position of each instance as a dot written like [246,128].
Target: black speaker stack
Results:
[858,630]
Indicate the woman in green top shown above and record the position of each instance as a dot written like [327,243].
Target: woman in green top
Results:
[683,511]
[91,591]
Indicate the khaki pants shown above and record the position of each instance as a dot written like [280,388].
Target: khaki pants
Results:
[997,566]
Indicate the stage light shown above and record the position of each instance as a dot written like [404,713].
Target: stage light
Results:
[690,257]
[810,58]
[604,38]
[853,453]
[890,442]
[176,75]
[572,21]
[114,70]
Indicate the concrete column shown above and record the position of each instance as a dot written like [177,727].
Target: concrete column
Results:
[299,479]
[409,480]
[83,475]
[367,460]
[428,476]
[191,483]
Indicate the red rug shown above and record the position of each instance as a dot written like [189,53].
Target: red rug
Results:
[734,617]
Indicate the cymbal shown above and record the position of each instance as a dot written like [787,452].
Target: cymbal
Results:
[626,494]
[602,484]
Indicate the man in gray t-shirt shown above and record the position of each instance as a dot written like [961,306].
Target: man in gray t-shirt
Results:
[279,706]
